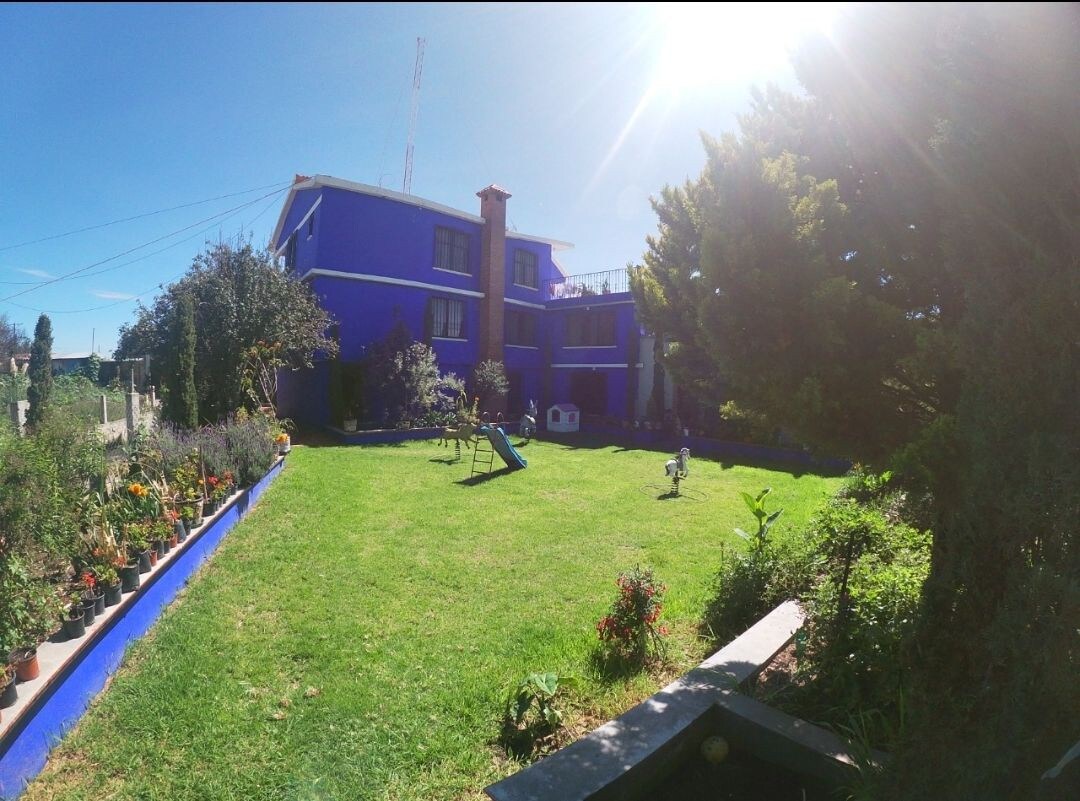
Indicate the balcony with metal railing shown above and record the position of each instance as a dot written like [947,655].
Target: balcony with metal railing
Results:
[607,282]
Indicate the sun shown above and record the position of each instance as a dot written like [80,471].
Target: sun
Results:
[709,44]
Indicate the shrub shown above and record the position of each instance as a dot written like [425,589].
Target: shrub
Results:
[250,439]
[630,628]
[79,397]
[490,380]
[29,607]
[748,585]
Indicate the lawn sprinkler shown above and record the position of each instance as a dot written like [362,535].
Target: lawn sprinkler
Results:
[678,468]
[527,426]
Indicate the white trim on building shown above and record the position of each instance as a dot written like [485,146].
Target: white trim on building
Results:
[383,279]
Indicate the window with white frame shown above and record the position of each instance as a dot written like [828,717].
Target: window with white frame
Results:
[446,318]
[451,250]
[526,272]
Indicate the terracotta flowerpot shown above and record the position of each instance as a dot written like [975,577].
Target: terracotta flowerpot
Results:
[153,556]
[173,540]
[26,666]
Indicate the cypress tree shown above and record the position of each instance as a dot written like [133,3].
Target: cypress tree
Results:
[40,371]
[181,401]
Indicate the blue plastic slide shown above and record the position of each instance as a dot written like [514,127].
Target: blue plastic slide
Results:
[503,447]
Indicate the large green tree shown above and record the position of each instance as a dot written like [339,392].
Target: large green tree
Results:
[889,268]
[240,297]
[40,371]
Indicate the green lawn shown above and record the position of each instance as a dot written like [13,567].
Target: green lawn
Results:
[355,636]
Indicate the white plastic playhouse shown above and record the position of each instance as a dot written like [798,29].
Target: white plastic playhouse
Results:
[563,418]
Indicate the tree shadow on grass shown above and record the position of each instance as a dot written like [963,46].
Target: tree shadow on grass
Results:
[451,461]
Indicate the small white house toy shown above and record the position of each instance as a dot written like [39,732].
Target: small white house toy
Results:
[677,469]
[564,418]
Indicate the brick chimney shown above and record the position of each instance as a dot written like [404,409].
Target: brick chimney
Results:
[492,270]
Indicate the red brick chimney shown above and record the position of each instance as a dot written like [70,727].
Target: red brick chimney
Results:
[492,270]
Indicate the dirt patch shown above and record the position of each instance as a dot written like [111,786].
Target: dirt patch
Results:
[778,675]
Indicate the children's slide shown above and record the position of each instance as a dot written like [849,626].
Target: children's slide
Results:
[503,447]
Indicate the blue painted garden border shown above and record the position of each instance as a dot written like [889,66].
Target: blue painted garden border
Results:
[25,747]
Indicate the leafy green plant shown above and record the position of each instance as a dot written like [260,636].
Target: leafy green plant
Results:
[765,519]
[538,691]
[749,584]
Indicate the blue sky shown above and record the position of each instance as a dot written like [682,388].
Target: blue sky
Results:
[582,112]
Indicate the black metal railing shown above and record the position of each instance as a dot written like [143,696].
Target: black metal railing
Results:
[608,282]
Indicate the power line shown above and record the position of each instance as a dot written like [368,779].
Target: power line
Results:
[81,270]
[141,258]
[139,217]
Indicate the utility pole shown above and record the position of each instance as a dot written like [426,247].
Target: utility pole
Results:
[418,70]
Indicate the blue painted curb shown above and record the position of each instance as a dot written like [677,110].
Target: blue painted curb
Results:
[26,746]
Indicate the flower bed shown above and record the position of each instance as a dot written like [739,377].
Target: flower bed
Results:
[73,671]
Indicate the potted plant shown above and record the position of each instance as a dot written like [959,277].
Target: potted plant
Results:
[129,575]
[8,693]
[179,529]
[42,607]
[170,522]
[74,619]
[139,545]
[108,581]
[349,423]
[88,598]
[93,592]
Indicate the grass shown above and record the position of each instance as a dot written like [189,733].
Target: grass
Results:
[354,638]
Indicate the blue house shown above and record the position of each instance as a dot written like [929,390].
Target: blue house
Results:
[470,288]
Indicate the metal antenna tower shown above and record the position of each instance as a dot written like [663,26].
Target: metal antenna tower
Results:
[418,71]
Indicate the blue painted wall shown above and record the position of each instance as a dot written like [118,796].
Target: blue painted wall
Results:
[623,352]
[371,236]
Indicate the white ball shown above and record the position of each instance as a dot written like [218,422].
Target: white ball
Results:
[715,749]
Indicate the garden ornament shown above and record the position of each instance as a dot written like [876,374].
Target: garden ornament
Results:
[527,426]
[463,433]
[678,468]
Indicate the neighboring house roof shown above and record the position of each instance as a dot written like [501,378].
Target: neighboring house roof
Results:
[303,182]
[71,356]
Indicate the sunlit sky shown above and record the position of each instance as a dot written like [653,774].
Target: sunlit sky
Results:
[582,112]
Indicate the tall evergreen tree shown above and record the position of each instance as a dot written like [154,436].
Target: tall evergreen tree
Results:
[40,371]
[181,399]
